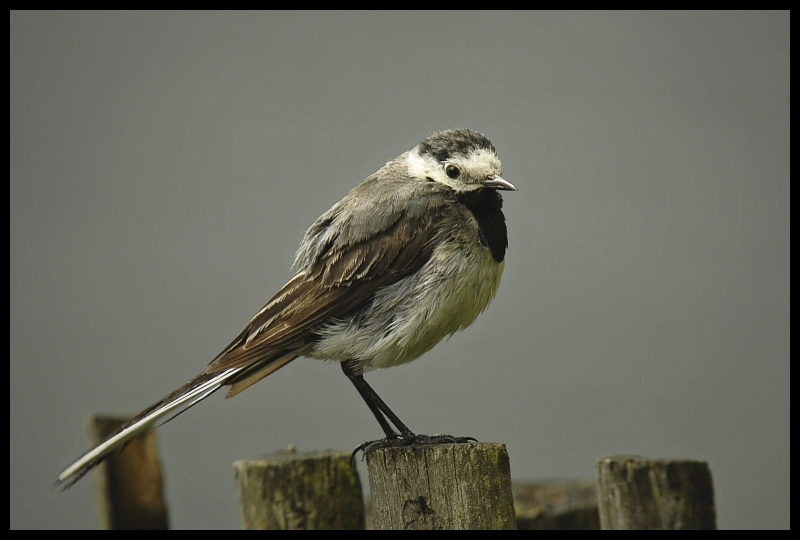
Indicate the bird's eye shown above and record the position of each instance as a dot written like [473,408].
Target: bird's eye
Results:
[452,171]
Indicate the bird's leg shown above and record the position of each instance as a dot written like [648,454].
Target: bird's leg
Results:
[382,411]
[376,404]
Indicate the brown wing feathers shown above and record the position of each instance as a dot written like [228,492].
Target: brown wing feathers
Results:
[344,278]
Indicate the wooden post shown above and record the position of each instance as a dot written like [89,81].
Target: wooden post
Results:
[129,486]
[290,490]
[639,493]
[443,486]
[557,504]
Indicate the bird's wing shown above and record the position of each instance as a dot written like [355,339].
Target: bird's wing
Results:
[345,274]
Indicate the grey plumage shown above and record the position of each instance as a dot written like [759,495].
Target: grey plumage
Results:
[409,256]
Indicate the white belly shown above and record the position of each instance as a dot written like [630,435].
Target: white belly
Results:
[408,318]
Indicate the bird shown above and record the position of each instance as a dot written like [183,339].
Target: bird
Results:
[411,255]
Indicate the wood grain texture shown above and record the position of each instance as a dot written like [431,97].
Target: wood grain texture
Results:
[299,491]
[446,486]
[129,485]
[640,493]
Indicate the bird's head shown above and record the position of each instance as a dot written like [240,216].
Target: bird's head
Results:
[461,159]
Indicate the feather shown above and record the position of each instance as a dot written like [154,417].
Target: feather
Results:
[178,401]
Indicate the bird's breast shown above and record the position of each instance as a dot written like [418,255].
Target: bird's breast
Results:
[408,318]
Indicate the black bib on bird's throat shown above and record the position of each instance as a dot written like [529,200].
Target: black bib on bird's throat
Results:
[486,205]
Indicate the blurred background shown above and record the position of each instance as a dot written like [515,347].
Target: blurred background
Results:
[165,165]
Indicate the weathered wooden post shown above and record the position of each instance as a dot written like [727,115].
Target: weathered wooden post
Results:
[129,485]
[290,490]
[557,504]
[638,493]
[443,486]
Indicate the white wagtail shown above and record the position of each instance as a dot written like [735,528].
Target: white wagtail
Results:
[409,256]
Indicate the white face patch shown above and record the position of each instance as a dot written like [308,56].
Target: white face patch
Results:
[423,167]
[475,167]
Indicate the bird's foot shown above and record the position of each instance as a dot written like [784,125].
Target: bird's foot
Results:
[407,440]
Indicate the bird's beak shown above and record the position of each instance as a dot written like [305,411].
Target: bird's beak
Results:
[495,182]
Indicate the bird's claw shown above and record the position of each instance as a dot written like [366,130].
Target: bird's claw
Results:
[409,440]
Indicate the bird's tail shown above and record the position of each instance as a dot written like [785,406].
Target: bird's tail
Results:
[178,401]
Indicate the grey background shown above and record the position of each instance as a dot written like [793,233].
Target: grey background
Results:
[164,167]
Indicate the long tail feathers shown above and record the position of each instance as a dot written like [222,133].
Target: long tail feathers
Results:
[178,401]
